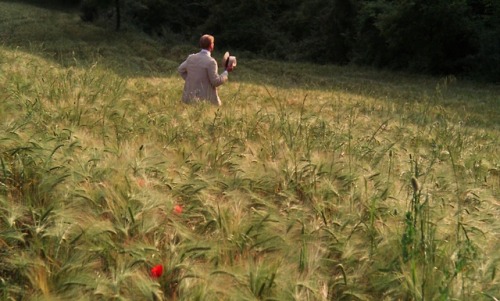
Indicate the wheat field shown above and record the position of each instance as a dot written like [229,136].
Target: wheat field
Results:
[308,183]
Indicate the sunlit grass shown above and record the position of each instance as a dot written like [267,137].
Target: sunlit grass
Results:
[309,183]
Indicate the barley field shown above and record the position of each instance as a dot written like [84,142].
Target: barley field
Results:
[308,183]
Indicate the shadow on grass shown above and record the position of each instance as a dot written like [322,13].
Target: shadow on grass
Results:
[57,33]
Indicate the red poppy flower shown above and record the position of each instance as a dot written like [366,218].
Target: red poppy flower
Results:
[178,209]
[157,271]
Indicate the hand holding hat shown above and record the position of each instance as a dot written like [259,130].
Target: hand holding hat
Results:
[229,61]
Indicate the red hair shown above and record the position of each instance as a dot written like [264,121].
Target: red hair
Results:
[206,40]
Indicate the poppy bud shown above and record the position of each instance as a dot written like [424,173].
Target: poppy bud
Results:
[415,184]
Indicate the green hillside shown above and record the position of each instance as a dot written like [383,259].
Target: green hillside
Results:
[309,182]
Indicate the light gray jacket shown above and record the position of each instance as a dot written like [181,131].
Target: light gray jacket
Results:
[199,72]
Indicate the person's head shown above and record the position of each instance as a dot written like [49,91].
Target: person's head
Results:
[207,42]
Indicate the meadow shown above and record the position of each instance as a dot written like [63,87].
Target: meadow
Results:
[308,183]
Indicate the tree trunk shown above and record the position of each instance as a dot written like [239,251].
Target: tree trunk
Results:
[118,15]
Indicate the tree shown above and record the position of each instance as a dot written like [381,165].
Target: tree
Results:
[90,10]
[485,64]
[425,36]
[430,36]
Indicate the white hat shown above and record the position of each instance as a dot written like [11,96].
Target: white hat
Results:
[228,60]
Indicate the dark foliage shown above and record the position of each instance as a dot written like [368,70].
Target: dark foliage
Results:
[429,36]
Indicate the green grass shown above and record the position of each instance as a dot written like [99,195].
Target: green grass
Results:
[309,183]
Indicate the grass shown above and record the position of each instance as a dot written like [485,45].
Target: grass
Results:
[309,183]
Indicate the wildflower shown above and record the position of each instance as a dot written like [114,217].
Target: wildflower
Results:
[178,209]
[141,182]
[157,271]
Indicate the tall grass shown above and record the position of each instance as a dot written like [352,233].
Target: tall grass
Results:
[309,183]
